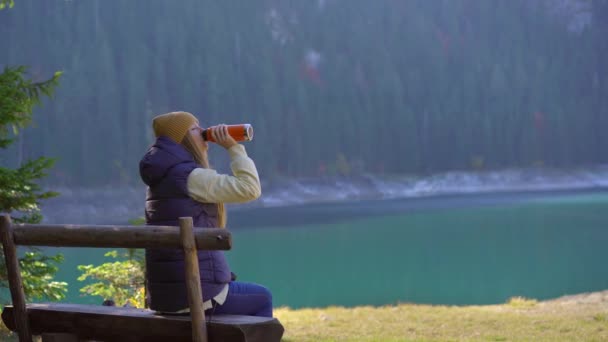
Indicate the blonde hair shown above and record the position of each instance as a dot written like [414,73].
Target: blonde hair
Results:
[200,156]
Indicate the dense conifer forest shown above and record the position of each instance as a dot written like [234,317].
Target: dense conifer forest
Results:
[332,87]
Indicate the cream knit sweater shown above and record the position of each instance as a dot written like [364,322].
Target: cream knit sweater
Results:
[208,186]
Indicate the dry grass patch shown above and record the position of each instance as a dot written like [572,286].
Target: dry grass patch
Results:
[574,318]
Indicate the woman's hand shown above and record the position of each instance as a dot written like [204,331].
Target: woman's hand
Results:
[221,136]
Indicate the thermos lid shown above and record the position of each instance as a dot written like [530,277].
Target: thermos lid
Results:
[248,132]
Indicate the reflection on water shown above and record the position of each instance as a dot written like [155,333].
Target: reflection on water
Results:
[470,255]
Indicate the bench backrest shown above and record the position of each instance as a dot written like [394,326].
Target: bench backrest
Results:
[185,236]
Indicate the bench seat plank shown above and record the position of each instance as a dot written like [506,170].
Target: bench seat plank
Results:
[131,324]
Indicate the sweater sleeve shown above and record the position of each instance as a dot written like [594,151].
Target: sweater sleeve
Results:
[208,186]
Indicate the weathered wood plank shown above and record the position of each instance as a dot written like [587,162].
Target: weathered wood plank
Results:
[117,236]
[15,282]
[106,323]
[193,281]
[59,338]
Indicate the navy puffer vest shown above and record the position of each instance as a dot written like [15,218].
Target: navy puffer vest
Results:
[165,169]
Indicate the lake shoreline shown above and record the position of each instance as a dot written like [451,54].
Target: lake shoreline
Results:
[107,206]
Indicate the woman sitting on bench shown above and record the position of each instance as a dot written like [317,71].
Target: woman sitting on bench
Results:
[180,184]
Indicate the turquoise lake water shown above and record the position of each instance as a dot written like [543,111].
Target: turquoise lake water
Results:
[459,250]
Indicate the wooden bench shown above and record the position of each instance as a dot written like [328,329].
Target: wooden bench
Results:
[73,322]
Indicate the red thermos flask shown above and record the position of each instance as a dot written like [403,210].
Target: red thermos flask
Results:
[240,132]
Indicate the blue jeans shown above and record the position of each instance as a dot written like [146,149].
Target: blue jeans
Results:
[245,299]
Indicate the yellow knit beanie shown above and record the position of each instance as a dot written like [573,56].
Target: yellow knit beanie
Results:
[174,125]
